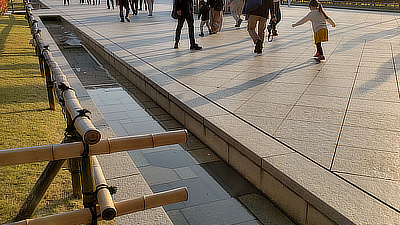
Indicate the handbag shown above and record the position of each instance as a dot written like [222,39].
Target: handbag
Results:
[251,5]
[174,14]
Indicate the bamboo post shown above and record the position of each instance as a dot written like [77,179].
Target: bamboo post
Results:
[49,85]
[39,189]
[75,149]
[106,204]
[74,166]
[84,216]
[87,178]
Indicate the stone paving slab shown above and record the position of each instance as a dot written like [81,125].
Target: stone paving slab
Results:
[333,125]
[118,168]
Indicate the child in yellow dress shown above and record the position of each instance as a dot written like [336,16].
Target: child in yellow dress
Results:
[318,18]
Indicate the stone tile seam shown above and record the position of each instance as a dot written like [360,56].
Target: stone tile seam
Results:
[49,38]
[124,64]
[190,111]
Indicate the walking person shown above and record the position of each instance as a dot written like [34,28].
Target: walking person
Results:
[183,10]
[124,4]
[318,18]
[236,11]
[134,6]
[273,23]
[150,5]
[108,4]
[216,7]
[204,14]
[258,18]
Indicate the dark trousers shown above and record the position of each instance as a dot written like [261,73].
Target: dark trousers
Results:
[123,4]
[277,10]
[319,48]
[108,4]
[134,6]
[190,23]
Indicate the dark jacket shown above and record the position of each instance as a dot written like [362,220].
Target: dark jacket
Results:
[204,13]
[212,3]
[186,7]
[264,9]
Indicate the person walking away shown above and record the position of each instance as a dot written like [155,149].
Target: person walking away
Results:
[216,7]
[236,11]
[108,4]
[204,14]
[273,23]
[150,5]
[124,4]
[184,11]
[318,18]
[259,16]
[134,6]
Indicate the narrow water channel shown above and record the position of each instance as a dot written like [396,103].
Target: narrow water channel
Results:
[217,193]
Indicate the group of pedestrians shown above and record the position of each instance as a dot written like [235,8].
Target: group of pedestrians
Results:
[257,13]
[135,5]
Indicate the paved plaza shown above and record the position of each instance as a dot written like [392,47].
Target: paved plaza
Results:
[327,131]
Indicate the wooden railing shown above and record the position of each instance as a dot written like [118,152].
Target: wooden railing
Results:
[82,141]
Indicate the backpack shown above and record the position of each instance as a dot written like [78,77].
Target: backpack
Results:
[219,5]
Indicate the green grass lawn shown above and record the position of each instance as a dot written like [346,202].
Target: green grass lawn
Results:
[25,120]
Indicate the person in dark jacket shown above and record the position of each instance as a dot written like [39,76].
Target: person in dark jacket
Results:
[204,14]
[259,15]
[184,11]
[124,4]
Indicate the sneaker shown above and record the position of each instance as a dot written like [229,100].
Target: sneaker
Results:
[176,45]
[258,47]
[239,22]
[321,57]
[122,20]
[316,55]
[127,19]
[201,35]
[274,33]
[237,25]
[195,47]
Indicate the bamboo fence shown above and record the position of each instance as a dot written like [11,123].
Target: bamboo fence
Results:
[84,216]
[75,149]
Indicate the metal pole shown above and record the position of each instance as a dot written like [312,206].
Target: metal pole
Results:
[49,85]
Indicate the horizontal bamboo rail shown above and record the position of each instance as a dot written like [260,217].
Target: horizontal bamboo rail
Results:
[81,122]
[106,204]
[75,149]
[84,216]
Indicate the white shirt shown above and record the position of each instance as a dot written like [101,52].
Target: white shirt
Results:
[317,19]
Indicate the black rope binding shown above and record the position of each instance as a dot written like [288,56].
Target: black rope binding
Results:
[92,208]
[71,127]
[94,214]
[85,152]
[111,189]
[63,87]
